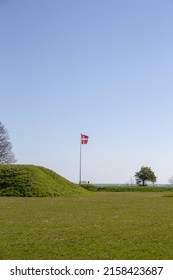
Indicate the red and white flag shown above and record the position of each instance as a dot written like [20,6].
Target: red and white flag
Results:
[84,139]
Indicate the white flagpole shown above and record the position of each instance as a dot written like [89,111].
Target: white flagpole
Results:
[80,160]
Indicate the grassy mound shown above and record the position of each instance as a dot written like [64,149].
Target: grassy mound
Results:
[30,180]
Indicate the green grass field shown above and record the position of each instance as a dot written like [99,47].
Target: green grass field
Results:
[129,225]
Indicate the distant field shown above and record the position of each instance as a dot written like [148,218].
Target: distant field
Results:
[124,188]
[109,226]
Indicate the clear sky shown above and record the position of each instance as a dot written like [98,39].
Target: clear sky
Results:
[101,67]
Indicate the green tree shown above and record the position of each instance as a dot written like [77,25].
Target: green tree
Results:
[145,175]
[6,154]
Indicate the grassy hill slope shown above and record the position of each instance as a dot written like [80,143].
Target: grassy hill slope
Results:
[30,180]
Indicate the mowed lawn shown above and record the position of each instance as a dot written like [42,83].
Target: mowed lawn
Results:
[101,226]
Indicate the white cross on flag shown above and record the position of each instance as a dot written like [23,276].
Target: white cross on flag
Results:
[84,139]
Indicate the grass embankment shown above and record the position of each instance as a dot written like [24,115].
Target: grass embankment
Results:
[95,188]
[102,226]
[30,180]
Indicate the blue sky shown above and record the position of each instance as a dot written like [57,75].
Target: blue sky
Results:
[101,67]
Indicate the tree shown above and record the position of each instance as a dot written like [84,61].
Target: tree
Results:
[144,175]
[171,181]
[6,154]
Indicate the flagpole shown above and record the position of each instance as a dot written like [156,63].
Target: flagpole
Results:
[83,140]
[80,161]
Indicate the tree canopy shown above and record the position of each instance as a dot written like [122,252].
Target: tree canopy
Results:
[6,154]
[145,175]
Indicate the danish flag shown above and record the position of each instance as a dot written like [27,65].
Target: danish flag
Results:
[84,139]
